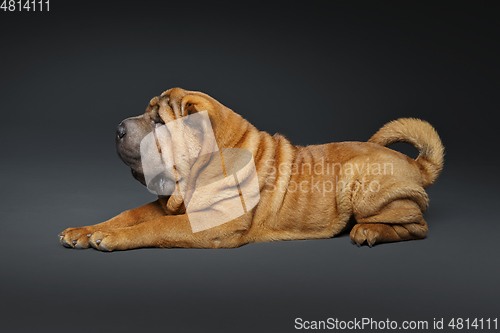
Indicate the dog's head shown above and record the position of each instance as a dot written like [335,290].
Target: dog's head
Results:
[163,111]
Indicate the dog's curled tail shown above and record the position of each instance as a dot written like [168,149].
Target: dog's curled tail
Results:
[420,134]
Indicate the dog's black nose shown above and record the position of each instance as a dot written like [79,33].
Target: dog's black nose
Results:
[121,131]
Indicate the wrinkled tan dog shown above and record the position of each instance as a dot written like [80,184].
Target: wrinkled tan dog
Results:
[305,192]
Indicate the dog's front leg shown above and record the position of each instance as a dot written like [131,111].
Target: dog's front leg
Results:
[79,237]
[168,232]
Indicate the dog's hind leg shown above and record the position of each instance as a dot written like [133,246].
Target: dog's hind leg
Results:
[402,223]
[395,216]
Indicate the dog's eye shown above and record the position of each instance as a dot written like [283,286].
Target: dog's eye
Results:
[156,118]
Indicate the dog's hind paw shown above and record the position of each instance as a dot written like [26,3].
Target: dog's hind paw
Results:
[369,233]
[376,233]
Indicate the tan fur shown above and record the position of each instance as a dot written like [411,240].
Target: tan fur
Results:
[287,211]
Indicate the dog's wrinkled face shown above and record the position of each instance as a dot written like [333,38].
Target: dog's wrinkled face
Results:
[129,135]
[132,131]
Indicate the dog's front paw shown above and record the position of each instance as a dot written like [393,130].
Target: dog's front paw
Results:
[77,238]
[107,241]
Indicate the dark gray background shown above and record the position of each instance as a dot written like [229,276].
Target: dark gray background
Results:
[313,71]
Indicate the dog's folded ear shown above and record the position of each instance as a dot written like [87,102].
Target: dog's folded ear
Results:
[192,103]
[184,103]
[177,103]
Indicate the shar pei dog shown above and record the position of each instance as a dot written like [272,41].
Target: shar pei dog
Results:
[222,183]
